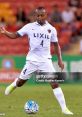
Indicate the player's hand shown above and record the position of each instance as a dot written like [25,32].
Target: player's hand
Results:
[2,30]
[61,64]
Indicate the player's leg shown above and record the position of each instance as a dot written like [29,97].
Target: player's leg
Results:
[48,67]
[28,69]
[17,83]
[60,97]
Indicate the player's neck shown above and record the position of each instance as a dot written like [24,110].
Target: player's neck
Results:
[42,23]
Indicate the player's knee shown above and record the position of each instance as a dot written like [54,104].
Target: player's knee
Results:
[54,85]
[20,82]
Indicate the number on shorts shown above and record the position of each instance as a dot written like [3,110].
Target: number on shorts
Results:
[24,71]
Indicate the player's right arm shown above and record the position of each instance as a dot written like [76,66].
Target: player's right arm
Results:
[11,35]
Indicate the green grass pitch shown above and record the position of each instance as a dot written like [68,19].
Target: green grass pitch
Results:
[13,104]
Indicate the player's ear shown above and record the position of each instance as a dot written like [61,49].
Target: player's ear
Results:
[46,14]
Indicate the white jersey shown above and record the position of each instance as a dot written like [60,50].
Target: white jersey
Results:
[39,37]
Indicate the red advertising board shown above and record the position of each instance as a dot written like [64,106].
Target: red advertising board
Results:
[8,76]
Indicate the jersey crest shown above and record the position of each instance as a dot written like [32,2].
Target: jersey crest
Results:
[49,30]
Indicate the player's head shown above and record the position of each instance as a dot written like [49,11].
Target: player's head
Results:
[41,15]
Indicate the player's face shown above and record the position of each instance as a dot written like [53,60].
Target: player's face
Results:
[41,16]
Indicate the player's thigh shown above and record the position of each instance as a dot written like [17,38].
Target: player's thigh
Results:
[27,71]
[47,66]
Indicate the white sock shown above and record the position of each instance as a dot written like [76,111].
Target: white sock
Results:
[60,97]
[14,83]
[9,89]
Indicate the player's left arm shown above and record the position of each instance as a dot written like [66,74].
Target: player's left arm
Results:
[58,53]
[54,39]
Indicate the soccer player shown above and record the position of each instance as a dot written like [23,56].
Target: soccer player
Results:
[40,33]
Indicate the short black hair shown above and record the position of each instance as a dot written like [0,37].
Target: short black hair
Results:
[41,8]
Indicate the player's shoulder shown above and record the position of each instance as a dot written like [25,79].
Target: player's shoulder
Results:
[32,23]
[52,27]
[29,24]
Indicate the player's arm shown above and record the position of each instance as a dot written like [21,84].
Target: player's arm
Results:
[54,39]
[58,53]
[11,35]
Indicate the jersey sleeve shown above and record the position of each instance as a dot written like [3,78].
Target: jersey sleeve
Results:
[54,36]
[23,31]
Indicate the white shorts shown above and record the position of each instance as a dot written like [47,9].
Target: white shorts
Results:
[32,66]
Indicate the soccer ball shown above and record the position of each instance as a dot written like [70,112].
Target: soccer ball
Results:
[31,107]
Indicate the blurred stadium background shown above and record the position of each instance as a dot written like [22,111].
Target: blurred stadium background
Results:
[64,15]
